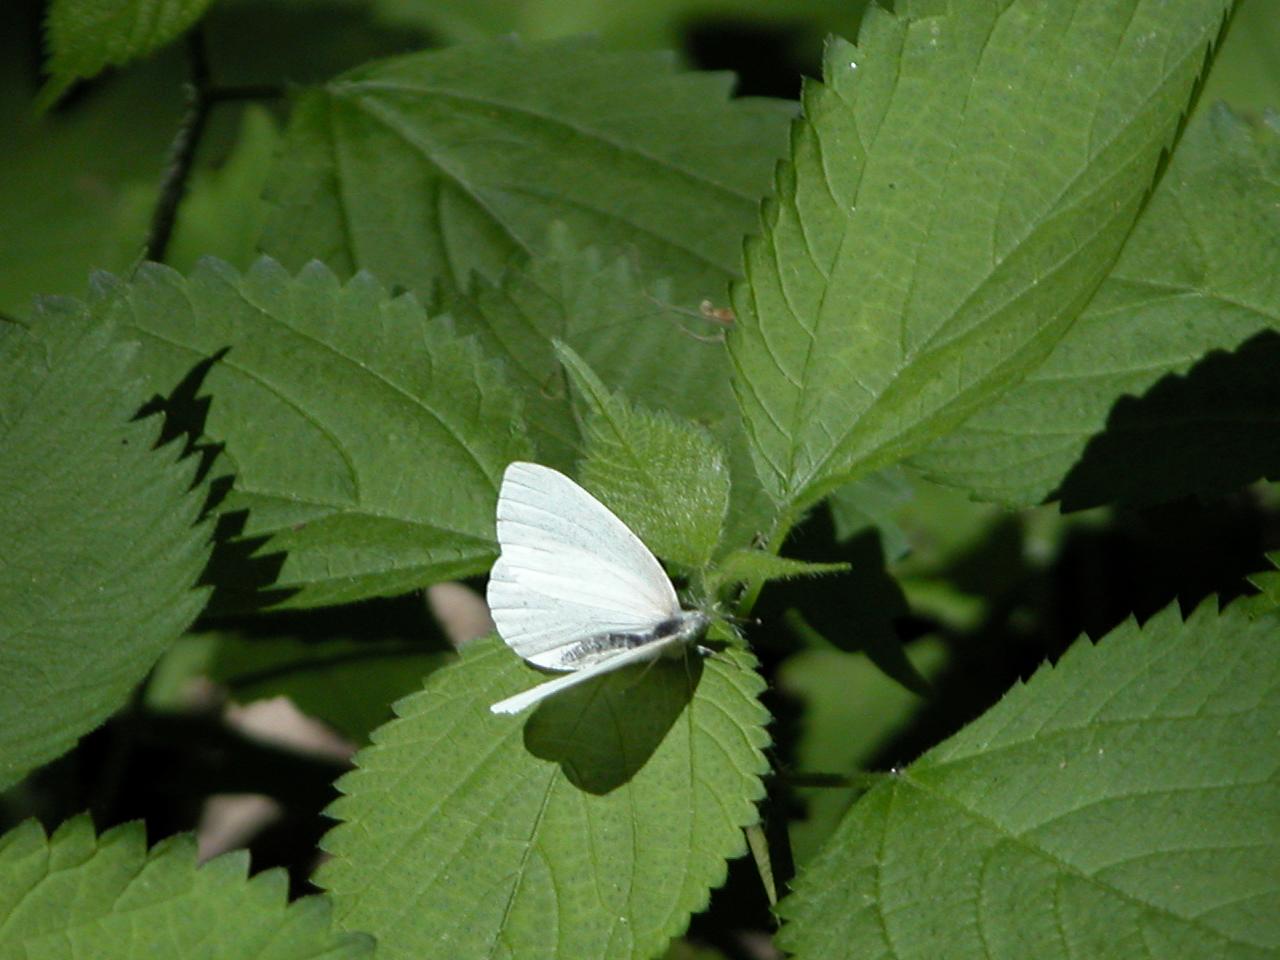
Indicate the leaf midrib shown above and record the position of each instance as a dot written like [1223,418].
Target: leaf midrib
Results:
[1033,225]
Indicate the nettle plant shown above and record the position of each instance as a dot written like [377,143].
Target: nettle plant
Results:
[994,257]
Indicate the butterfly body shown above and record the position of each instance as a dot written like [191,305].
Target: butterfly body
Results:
[603,646]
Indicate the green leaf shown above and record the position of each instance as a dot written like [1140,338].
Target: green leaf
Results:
[1120,804]
[872,502]
[756,567]
[635,338]
[172,680]
[600,307]
[1244,71]
[1268,584]
[348,683]
[89,212]
[665,478]
[86,36]
[368,440]
[945,528]
[1200,273]
[850,709]
[76,895]
[428,167]
[858,611]
[102,544]
[592,829]
[961,183]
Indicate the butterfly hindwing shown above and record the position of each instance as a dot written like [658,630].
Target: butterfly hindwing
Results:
[535,695]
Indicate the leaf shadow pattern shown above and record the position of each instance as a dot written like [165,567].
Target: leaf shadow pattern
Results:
[603,732]
[238,574]
[859,610]
[1206,432]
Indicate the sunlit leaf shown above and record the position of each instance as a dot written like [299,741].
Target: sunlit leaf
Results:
[367,438]
[102,544]
[665,478]
[87,35]
[1137,403]
[642,345]
[961,182]
[1122,803]
[567,834]
[428,167]
[756,567]
[75,896]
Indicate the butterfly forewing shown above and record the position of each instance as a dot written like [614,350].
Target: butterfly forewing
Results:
[570,570]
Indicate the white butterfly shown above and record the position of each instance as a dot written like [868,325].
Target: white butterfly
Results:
[574,589]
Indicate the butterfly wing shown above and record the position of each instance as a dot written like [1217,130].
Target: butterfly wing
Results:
[569,569]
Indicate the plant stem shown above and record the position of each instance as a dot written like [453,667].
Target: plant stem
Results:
[202,95]
[182,151]
[781,528]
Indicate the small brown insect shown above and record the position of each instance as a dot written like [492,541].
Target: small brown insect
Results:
[721,315]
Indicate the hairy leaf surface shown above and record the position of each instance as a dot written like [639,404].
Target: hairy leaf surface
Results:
[589,829]
[102,546]
[367,439]
[87,35]
[962,181]
[428,167]
[1166,384]
[665,478]
[1122,803]
[75,896]
[641,344]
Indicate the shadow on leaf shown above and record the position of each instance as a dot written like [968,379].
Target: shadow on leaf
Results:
[185,412]
[603,732]
[238,574]
[858,610]
[1207,432]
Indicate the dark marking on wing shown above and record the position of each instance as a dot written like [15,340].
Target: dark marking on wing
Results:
[593,648]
